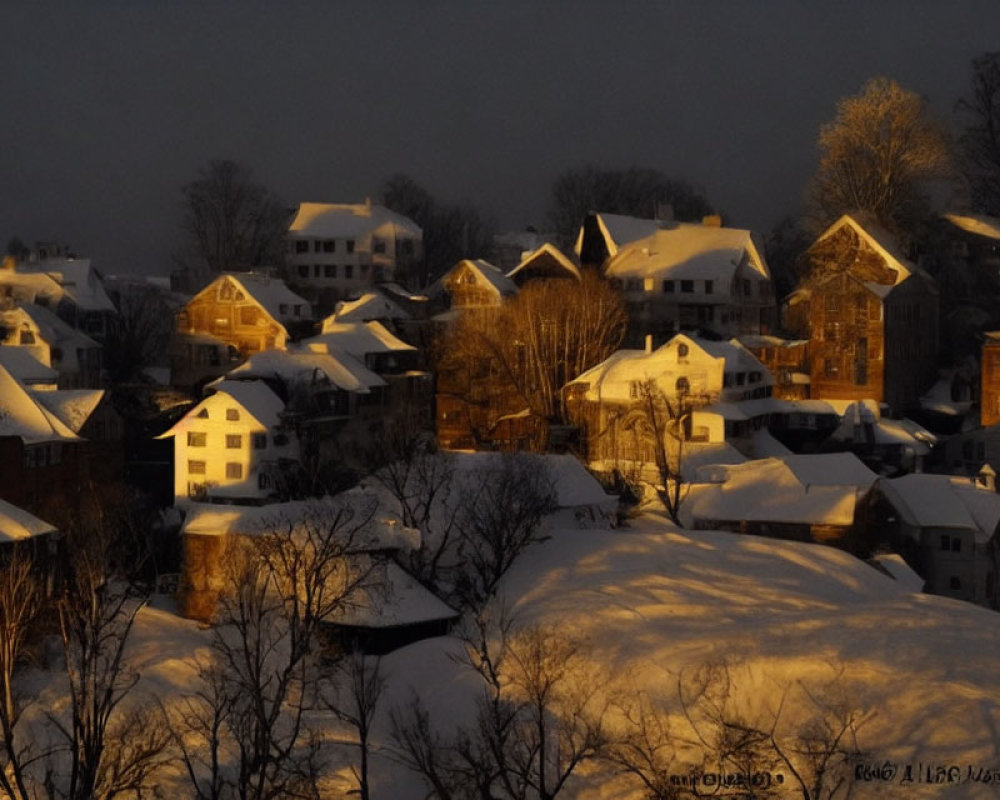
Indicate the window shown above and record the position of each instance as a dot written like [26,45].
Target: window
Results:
[378,246]
[755,377]
[196,439]
[302,246]
[282,309]
[955,583]
[945,542]
[203,414]
[741,378]
[668,287]
[234,441]
[297,309]
[330,246]
[317,246]
[709,287]
[687,286]
[196,467]
[249,315]
[317,270]
[232,414]
[234,471]
[407,247]
[830,368]
[682,352]
[350,245]
[27,337]
[682,386]
[303,270]
[956,544]
[633,389]
[832,302]
[259,441]
[348,271]
[747,287]
[280,439]
[263,481]
[331,270]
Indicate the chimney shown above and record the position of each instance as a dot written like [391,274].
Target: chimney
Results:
[712,221]
[649,343]
[987,478]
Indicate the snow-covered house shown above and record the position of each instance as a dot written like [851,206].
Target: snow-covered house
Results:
[786,359]
[25,533]
[75,356]
[826,499]
[548,262]
[719,390]
[25,365]
[946,529]
[472,284]
[339,249]
[603,235]
[231,445]
[236,315]
[871,317]
[693,277]
[388,609]
[70,287]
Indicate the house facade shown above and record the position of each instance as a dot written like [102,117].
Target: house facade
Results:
[871,317]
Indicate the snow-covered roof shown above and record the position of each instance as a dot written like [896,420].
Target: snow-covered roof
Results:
[546,254]
[272,295]
[370,306]
[483,273]
[52,328]
[397,599]
[16,524]
[944,501]
[23,416]
[618,230]
[766,340]
[22,363]
[357,338]
[78,280]
[863,416]
[350,221]
[980,224]
[773,490]
[684,250]
[901,572]
[340,368]
[356,507]
[254,396]
[73,406]
[879,239]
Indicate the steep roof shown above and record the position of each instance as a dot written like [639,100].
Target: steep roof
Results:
[688,250]
[23,416]
[878,238]
[396,600]
[53,329]
[78,280]
[271,294]
[349,221]
[370,306]
[483,273]
[254,396]
[16,524]
[618,230]
[944,501]
[340,368]
[547,254]
[21,362]
[357,338]
[73,406]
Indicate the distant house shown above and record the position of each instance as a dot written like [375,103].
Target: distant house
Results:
[786,359]
[722,392]
[946,529]
[24,533]
[870,315]
[693,277]
[472,285]
[227,446]
[603,235]
[510,248]
[826,499]
[236,315]
[336,250]
[545,263]
[76,357]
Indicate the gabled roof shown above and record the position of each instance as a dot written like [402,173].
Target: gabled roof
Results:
[879,239]
[78,280]
[23,416]
[73,406]
[548,257]
[618,230]
[397,599]
[342,369]
[357,338]
[944,501]
[254,397]
[484,275]
[16,524]
[349,221]
[683,250]
[53,329]
[21,362]
[271,294]
[370,306]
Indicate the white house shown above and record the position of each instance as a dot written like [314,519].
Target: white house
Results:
[75,356]
[227,445]
[343,249]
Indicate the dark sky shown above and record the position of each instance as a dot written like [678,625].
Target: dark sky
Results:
[110,107]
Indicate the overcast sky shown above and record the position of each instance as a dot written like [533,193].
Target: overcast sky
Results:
[110,107]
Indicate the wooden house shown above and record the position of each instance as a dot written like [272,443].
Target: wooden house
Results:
[871,317]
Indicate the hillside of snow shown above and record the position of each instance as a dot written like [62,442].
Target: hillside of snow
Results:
[649,603]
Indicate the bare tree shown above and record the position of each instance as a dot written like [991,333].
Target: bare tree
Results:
[508,497]
[537,721]
[20,598]
[141,335]
[660,425]
[546,336]
[877,155]
[980,140]
[360,683]
[111,750]
[282,585]
[229,221]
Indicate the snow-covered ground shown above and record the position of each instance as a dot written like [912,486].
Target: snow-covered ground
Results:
[650,602]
